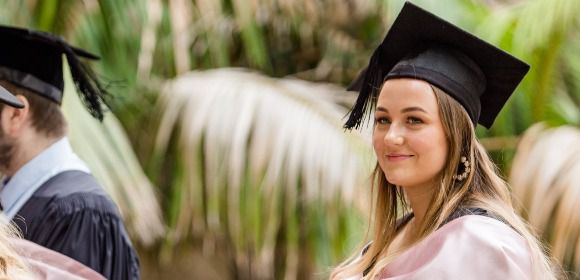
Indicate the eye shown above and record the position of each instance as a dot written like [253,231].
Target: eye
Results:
[382,120]
[414,120]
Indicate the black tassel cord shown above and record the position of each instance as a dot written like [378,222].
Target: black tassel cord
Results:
[369,88]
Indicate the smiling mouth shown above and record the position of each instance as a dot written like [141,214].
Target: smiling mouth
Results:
[398,157]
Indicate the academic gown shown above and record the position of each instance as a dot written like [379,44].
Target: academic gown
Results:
[468,246]
[71,214]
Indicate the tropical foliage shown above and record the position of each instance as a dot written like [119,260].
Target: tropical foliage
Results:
[230,155]
[111,159]
[544,178]
[254,158]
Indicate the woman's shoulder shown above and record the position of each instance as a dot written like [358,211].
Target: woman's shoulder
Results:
[482,228]
[471,245]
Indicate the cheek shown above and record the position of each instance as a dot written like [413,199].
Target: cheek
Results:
[378,142]
[379,148]
[433,148]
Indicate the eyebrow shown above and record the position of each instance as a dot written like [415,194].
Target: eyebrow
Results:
[406,110]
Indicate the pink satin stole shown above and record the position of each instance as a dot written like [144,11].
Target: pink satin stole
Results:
[48,264]
[469,247]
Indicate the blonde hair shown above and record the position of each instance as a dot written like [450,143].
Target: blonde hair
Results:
[544,178]
[11,264]
[483,188]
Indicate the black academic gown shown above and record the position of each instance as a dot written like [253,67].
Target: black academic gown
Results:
[72,214]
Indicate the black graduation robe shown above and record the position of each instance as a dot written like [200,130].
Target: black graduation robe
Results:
[72,214]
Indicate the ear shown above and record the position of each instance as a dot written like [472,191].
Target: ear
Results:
[14,120]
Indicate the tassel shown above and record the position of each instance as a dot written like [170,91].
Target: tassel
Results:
[368,83]
[92,93]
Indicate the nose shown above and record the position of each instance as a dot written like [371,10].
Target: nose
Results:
[394,135]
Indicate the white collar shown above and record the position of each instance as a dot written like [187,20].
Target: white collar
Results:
[53,160]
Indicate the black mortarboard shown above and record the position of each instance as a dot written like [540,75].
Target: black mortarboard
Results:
[8,98]
[33,60]
[420,45]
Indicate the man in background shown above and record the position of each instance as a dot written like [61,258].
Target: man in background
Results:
[47,190]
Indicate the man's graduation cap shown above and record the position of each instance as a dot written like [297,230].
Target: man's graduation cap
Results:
[9,99]
[33,60]
[423,46]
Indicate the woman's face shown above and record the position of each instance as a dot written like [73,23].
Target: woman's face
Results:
[408,136]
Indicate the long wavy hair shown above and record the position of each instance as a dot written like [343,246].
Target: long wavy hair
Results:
[483,188]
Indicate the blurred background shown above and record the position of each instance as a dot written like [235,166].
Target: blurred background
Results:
[224,147]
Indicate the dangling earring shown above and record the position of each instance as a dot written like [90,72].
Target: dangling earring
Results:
[466,170]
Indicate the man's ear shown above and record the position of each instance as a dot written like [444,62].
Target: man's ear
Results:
[13,119]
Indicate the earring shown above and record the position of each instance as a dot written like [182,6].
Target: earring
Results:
[466,170]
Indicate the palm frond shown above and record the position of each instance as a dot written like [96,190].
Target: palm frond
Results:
[148,40]
[540,20]
[543,30]
[544,180]
[261,155]
[106,150]
[180,11]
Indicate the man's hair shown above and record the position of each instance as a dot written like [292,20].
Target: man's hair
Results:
[46,115]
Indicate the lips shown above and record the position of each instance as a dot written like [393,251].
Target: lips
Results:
[398,157]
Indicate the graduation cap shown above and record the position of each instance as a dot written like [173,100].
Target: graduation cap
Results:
[420,45]
[8,98]
[33,60]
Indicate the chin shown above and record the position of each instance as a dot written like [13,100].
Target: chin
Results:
[404,180]
[397,180]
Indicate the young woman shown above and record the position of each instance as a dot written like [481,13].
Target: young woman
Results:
[441,211]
